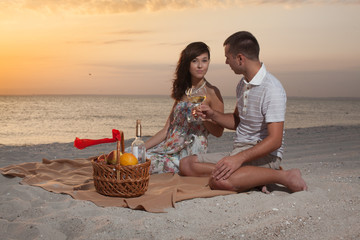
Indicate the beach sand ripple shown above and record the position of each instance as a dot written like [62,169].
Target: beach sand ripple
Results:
[328,157]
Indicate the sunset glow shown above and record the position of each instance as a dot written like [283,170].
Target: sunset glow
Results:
[131,47]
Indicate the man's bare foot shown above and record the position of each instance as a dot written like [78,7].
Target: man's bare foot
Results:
[295,182]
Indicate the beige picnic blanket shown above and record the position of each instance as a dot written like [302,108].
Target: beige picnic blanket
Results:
[74,177]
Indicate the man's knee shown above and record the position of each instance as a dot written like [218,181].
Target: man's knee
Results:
[221,184]
[186,165]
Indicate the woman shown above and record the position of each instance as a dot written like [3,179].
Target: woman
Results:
[180,137]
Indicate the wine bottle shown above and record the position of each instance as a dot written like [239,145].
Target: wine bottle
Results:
[138,146]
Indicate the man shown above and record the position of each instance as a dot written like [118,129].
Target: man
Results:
[259,123]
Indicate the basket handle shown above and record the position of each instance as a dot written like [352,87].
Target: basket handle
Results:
[120,143]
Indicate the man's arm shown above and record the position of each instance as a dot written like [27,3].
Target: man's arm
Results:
[226,120]
[226,166]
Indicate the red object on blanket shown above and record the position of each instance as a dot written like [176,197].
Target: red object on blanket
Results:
[83,143]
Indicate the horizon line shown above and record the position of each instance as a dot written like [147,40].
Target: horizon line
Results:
[155,95]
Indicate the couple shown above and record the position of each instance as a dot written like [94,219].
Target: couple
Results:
[258,120]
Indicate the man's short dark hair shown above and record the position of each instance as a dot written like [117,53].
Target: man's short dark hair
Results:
[245,43]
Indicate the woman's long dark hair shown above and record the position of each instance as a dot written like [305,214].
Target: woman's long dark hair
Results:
[182,79]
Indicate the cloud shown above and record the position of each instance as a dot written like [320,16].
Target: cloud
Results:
[118,41]
[125,37]
[132,32]
[126,6]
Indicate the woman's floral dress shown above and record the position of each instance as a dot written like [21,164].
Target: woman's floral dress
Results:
[183,138]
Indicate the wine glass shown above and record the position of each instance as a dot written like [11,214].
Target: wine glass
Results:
[195,96]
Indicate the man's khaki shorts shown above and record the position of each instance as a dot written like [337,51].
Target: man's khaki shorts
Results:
[269,161]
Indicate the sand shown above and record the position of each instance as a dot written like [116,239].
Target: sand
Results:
[328,157]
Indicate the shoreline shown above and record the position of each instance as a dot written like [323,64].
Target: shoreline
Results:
[226,132]
[328,157]
[12,154]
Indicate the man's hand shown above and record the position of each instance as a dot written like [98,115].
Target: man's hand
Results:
[225,167]
[204,111]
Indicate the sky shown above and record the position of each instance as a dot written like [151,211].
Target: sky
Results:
[132,47]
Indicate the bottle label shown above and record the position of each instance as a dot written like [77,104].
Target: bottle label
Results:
[135,151]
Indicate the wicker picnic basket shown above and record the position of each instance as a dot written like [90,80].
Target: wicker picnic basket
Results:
[121,181]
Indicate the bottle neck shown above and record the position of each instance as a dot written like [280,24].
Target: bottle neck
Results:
[138,130]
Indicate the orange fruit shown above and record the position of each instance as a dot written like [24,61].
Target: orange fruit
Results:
[128,159]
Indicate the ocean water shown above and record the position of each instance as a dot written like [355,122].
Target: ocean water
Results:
[28,120]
